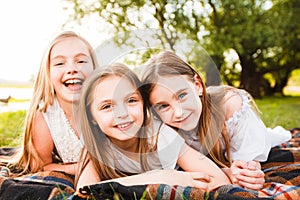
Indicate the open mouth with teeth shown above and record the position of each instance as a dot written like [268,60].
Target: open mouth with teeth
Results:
[73,84]
[124,126]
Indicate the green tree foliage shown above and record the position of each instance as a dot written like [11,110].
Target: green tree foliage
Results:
[264,34]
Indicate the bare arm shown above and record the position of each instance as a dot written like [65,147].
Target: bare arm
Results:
[44,145]
[89,176]
[193,179]
[69,168]
[191,160]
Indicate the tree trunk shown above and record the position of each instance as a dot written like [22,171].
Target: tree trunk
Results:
[250,80]
[279,85]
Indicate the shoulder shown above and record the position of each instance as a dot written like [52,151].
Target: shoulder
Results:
[233,102]
[40,126]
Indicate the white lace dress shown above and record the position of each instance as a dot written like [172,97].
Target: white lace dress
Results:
[249,138]
[65,140]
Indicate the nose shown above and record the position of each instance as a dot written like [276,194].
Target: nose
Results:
[72,68]
[177,110]
[121,112]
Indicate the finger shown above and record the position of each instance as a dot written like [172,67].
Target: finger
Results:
[236,171]
[239,164]
[201,185]
[252,173]
[200,176]
[250,180]
[247,185]
[253,165]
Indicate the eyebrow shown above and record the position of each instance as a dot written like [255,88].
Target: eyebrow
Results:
[103,102]
[111,100]
[81,54]
[76,55]
[132,93]
[180,91]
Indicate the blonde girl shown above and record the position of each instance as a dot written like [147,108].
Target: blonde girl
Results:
[50,131]
[218,121]
[121,138]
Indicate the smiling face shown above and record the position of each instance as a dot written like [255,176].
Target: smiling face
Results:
[117,108]
[176,100]
[70,64]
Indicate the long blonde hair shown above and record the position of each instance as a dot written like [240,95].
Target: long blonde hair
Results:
[212,119]
[27,160]
[96,145]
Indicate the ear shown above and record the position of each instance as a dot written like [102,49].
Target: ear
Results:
[198,84]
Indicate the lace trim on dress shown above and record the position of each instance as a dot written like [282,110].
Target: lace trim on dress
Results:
[66,142]
[73,145]
[233,121]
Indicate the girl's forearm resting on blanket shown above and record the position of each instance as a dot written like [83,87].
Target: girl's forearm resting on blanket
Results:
[170,177]
[201,163]
[68,168]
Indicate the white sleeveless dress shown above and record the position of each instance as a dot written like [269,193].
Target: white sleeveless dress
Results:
[67,144]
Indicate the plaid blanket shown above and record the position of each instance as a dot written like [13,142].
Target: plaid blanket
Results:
[282,173]
[42,185]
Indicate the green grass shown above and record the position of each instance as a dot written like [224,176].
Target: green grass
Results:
[11,127]
[283,111]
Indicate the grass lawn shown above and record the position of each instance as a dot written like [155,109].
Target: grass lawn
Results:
[11,127]
[283,111]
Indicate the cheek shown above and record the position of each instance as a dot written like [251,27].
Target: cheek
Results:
[138,112]
[87,70]
[194,102]
[166,116]
[55,75]
[197,107]
[103,120]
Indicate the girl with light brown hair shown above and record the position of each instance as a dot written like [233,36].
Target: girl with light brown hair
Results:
[218,121]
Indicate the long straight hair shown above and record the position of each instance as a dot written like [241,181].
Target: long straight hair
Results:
[212,119]
[97,149]
[27,160]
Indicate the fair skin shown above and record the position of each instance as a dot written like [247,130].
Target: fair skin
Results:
[70,64]
[118,114]
[179,105]
[121,116]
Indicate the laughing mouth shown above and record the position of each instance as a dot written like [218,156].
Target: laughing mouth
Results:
[73,82]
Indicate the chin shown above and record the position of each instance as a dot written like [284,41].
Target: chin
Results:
[186,128]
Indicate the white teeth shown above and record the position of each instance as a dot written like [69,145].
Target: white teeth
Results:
[73,81]
[123,125]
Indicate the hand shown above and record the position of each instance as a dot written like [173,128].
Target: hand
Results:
[193,179]
[247,174]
